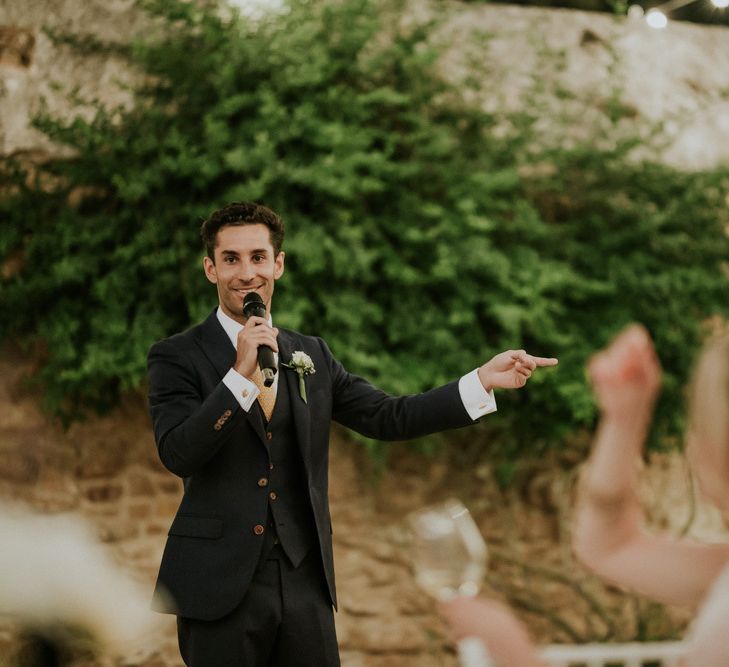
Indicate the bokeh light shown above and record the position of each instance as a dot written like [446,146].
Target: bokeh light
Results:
[655,18]
[635,12]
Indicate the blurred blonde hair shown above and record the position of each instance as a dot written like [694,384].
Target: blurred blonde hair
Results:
[709,400]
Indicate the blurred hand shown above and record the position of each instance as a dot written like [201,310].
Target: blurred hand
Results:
[495,624]
[511,369]
[626,376]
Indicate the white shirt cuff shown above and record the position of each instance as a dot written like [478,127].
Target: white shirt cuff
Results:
[477,401]
[243,389]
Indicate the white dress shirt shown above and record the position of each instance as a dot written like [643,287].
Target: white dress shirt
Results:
[476,400]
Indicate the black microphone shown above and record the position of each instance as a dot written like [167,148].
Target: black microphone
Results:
[253,306]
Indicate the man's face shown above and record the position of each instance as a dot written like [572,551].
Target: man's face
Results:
[244,262]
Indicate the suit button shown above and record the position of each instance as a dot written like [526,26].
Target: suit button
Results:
[263,482]
[218,426]
[258,529]
[227,413]
[269,435]
[272,495]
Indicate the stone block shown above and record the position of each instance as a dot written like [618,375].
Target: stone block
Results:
[411,601]
[100,461]
[139,484]
[380,574]
[17,46]
[19,467]
[139,511]
[54,493]
[118,531]
[167,507]
[100,511]
[381,635]
[361,604]
[352,659]
[104,493]
[170,485]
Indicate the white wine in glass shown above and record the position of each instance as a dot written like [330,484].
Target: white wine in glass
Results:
[449,553]
[449,560]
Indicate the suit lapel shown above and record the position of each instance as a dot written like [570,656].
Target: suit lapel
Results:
[299,409]
[217,347]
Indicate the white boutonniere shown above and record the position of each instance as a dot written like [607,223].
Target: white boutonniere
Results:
[303,365]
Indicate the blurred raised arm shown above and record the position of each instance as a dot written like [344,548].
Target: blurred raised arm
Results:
[609,535]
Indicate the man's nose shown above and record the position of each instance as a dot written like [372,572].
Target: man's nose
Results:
[246,271]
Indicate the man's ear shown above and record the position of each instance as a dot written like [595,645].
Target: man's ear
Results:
[209,267]
[278,267]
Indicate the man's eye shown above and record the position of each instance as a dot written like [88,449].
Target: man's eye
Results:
[259,258]
[229,260]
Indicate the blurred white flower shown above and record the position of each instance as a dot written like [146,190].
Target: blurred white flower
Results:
[54,573]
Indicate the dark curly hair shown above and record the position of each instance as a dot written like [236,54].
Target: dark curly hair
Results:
[241,213]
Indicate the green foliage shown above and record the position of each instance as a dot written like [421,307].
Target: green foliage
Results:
[424,234]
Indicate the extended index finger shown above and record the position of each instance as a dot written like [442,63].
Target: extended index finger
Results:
[544,361]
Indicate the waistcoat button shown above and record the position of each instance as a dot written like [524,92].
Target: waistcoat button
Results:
[263,482]
[258,529]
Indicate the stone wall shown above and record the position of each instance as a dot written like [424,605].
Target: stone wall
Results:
[33,69]
[678,76]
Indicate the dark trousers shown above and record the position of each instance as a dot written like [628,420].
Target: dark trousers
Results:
[285,620]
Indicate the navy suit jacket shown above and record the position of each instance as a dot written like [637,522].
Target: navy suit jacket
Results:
[220,451]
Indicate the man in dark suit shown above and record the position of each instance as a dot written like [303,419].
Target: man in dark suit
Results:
[248,563]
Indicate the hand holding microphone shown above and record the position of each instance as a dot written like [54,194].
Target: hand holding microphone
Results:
[257,341]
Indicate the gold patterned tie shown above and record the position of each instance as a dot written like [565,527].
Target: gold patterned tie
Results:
[267,397]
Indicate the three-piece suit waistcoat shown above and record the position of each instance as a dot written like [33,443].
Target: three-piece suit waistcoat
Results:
[289,506]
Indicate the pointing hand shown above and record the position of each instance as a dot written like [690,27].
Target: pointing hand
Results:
[511,369]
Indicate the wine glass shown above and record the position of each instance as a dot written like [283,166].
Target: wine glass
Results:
[449,560]
[449,553]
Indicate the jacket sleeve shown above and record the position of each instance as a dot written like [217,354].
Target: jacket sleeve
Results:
[189,428]
[364,408]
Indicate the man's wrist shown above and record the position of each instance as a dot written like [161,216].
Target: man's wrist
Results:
[242,388]
[476,400]
[484,376]
[244,370]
